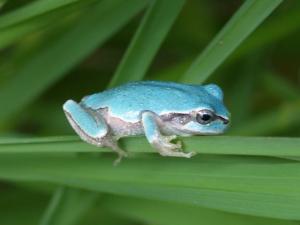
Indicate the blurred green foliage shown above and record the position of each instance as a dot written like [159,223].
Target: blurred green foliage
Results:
[53,50]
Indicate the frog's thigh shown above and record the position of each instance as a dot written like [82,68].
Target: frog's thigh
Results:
[157,140]
[84,123]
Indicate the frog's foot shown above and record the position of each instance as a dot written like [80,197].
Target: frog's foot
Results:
[115,147]
[162,143]
[92,129]
[166,148]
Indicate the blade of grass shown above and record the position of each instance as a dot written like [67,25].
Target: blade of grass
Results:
[67,206]
[31,10]
[249,185]
[158,212]
[2,3]
[263,146]
[46,21]
[13,34]
[147,40]
[250,15]
[65,51]
[274,30]
[53,205]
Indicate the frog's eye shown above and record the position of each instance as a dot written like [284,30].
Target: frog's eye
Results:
[205,116]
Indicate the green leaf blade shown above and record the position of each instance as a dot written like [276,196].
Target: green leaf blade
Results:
[67,206]
[147,40]
[225,145]
[191,181]
[37,8]
[239,27]
[159,212]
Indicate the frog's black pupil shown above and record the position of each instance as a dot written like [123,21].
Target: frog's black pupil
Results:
[206,117]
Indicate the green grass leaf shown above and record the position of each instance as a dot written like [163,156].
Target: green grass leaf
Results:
[158,212]
[262,146]
[53,207]
[250,15]
[2,3]
[147,40]
[32,10]
[67,206]
[256,186]
[14,30]
[58,56]
[277,28]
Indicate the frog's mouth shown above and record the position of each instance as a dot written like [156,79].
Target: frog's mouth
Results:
[225,120]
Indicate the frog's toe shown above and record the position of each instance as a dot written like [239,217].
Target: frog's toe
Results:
[119,158]
[171,146]
[170,138]
[166,142]
[189,154]
[115,147]
[180,154]
[179,144]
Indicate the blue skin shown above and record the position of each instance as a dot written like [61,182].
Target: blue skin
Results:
[152,108]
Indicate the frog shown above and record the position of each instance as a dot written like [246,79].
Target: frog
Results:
[159,110]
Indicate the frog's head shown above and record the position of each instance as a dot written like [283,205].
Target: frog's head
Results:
[211,117]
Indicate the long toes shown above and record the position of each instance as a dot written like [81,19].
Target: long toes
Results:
[183,154]
[177,154]
[117,160]
[179,144]
[121,155]
[166,143]
[188,154]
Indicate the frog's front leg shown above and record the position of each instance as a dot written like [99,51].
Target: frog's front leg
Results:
[162,143]
[91,128]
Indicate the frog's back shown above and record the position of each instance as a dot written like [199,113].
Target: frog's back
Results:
[130,99]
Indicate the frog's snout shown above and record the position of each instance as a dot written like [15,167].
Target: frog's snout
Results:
[224,120]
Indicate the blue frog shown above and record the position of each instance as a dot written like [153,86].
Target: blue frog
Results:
[158,110]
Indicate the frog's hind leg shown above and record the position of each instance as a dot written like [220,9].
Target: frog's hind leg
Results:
[91,128]
[84,124]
